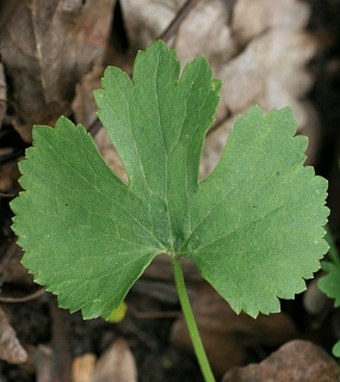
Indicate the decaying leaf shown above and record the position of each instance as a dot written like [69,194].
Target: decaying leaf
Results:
[146,20]
[258,48]
[110,154]
[45,365]
[84,109]
[116,364]
[83,367]
[270,71]
[253,17]
[10,348]
[83,104]
[46,47]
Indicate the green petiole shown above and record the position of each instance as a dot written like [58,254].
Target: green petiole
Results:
[190,321]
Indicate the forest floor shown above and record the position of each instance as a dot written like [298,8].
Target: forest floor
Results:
[151,338]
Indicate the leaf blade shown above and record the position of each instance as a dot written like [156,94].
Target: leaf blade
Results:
[162,161]
[263,216]
[253,227]
[73,214]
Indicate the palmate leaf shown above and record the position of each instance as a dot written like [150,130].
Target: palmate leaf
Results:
[253,227]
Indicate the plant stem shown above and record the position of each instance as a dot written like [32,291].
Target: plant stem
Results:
[190,321]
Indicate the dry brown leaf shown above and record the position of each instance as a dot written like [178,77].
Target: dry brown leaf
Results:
[214,145]
[46,47]
[84,109]
[146,20]
[10,347]
[269,71]
[257,47]
[251,18]
[83,368]
[116,364]
[45,366]
[110,154]
[83,104]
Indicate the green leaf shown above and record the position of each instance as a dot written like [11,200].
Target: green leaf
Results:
[330,284]
[253,227]
[258,234]
[336,349]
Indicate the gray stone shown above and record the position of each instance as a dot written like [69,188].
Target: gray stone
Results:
[296,361]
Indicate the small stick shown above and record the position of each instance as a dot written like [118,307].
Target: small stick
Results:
[7,194]
[177,21]
[29,297]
